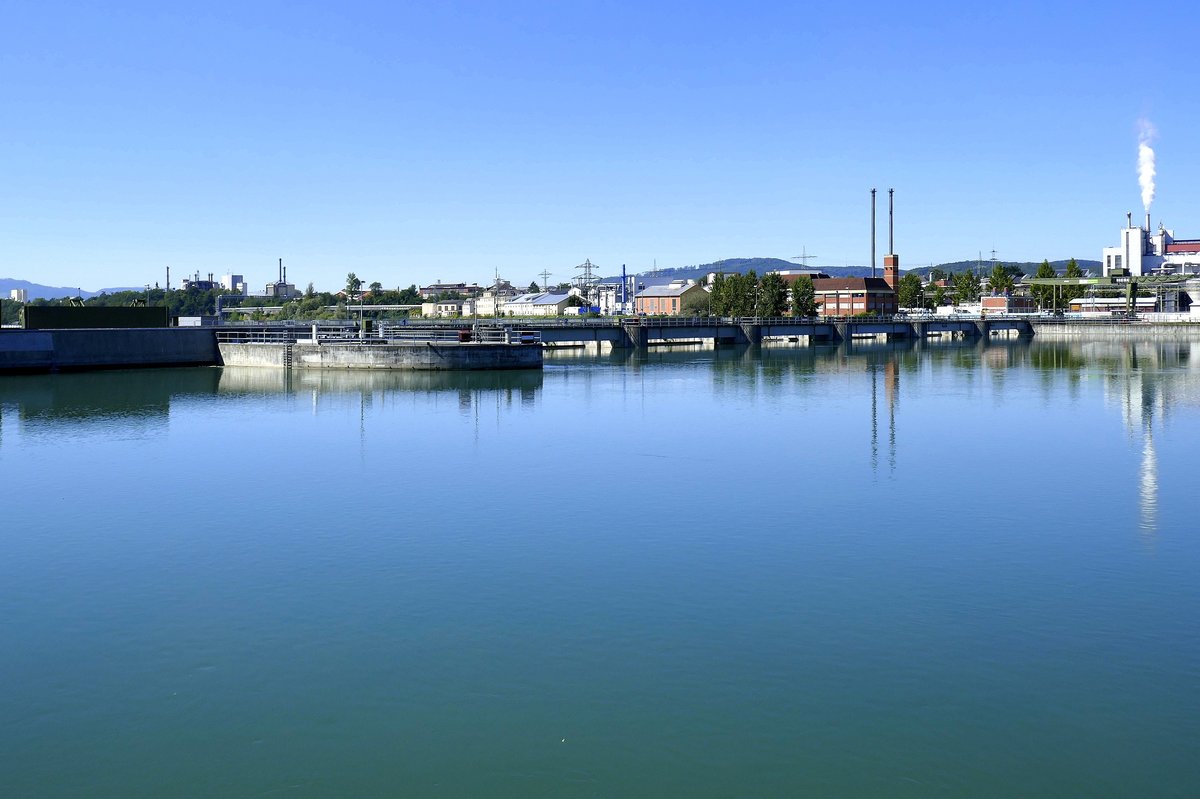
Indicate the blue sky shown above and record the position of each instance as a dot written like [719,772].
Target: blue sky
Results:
[414,142]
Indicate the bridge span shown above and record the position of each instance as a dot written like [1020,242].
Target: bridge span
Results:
[641,332]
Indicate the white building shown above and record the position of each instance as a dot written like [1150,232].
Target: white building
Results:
[444,309]
[20,295]
[542,303]
[234,283]
[491,302]
[1146,252]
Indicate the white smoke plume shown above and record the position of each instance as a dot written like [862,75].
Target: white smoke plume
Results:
[1146,135]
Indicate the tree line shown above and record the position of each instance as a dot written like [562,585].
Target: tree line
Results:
[749,295]
[967,287]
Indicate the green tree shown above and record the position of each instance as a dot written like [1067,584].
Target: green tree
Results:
[698,303]
[772,295]
[743,294]
[1044,294]
[967,286]
[804,297]
[939,296]
[1073,292]
[376,287]
[353,283]
[10,312]
[409,296]
[910,293]
[719,296]
[936,274]
[533,288]
[734,294]
[1001,280]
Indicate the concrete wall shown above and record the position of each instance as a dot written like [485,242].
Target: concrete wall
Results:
[68,350]
[417,356]
[1099,331]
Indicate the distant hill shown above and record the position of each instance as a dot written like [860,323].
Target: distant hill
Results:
[741,266]
[1028,267]
[37,291]
[763,265]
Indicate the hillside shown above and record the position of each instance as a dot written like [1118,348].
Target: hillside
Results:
[1028,267]
[741,266]
[38,291]
[763,265]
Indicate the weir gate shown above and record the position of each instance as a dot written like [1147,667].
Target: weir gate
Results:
[640,332]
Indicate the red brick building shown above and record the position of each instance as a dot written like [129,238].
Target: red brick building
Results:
[669,299]
[850,296]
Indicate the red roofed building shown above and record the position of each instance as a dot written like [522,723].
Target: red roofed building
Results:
[850,296]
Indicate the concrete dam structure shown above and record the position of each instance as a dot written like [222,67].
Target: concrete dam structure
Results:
[391,349]
[334,347]
[28,351]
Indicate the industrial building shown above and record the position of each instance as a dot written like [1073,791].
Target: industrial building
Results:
[542,303]
[1146,252]
[669,299]
[850,296]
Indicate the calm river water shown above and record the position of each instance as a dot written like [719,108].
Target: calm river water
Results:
[953,571]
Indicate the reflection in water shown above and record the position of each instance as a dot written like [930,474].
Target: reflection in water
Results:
[139,398]
[1146,380]
[519,384]
[249,380]
[1149,485]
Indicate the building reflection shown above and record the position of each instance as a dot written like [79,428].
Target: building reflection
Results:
[1147,381]
[511,386]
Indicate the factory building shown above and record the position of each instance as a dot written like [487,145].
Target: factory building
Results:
[1146,252]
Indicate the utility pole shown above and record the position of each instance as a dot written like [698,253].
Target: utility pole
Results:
[545,280]
[585,281]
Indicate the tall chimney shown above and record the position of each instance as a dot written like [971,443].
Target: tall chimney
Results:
[1129,219]
[280,270]
[891,261]
[872,233]
[891,244]
[1147,221]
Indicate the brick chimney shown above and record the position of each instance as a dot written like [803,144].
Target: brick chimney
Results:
[891,270]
